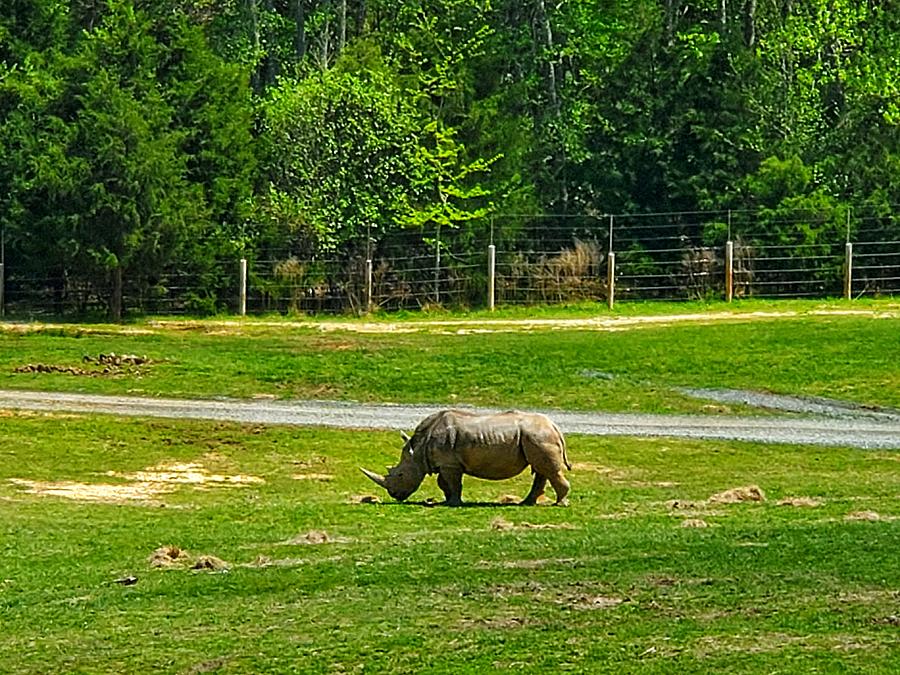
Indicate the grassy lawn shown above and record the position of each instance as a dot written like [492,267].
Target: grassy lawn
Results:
[788,348]
[641,573]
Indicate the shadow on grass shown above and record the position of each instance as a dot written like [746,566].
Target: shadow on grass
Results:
[464,505]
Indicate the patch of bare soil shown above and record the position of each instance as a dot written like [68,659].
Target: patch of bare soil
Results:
[748,493]
[169,556]
[314,537]
[190,473]
[500,523]
[799,501]
[534,564]
[104,364]
[209,562]
[175,557]
[597,602]
[496,623]
[475,326]
[870,516]
[763,643]
[694,522]
[365,499]
[90,492]
[142,486]
[320,477]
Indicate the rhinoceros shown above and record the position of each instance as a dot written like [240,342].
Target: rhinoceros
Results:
[451,443]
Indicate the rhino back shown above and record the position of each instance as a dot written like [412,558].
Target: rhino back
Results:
[485,446]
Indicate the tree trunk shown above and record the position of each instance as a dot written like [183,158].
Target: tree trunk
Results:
[750,22]
[253,15]
[547,30]
[300,29]
[360,17]
[271,70]
[723,16]
[342,34]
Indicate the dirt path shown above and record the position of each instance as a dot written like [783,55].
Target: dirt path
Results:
[455,326]
[852,431]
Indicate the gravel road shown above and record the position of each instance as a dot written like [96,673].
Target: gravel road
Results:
[850,431]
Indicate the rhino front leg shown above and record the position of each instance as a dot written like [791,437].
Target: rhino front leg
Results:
[537,489]
[450,482]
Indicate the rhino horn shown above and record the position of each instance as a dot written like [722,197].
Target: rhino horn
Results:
[405,436]
[378,480]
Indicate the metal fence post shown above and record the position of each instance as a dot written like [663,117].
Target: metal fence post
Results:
[368,285]
[492,267]
[2,287]
[242,299]
[729,271]
[848,271]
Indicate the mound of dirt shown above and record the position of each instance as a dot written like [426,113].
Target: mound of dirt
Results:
[870,516]
[169,556]
[500,523]
[748,493]
[314,537]
[694,522]
[799,501]
[365,499]
[175,557]
[104,364]
[209,562]
[118,360]
[50,368]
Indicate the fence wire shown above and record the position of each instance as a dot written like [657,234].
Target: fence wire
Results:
[539,260]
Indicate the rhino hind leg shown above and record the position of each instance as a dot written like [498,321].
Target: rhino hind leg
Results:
[537,489]
[561,487]
[547,458]
[450,483]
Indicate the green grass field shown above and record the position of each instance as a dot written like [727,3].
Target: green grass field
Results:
[641,573]
[644,572]
[634,367]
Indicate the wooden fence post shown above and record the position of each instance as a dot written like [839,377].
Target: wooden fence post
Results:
[729,271]
[242,293]
[848,271]
[611,279]
[368,285]
[492,267]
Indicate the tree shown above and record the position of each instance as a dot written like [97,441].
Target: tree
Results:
[340,146]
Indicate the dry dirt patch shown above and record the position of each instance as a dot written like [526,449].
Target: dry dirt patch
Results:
[141,486]
[799,501]
[175,557]
[500,523]
[314,537]
[90,492]
[101,365]
[870,516]
[694,522]
[748,493]
[464,326]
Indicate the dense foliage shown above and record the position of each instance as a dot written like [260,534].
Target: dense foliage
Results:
[138,136]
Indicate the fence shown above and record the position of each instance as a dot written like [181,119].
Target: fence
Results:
[519,260]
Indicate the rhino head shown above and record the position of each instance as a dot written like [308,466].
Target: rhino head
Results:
[401,480]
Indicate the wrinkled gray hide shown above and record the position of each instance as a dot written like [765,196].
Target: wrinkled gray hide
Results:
[453,443]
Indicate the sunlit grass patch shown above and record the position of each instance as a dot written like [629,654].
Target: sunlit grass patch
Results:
[280,573]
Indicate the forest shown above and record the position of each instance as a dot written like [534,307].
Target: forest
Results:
[145,136]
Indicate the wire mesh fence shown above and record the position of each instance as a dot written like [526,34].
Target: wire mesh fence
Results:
[538,260]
